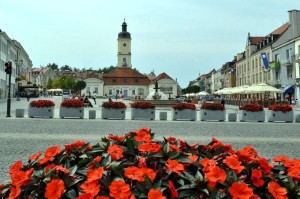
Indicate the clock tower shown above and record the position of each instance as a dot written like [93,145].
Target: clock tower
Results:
[124,47]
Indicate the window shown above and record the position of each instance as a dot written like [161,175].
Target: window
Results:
[124,60]
[277,57]
[289,71]
[110,91]
[133,92]
[114,80]
[87,89]
[96,90]
[277,75]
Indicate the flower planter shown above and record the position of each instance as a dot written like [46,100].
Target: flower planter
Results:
[185,114]
[218,115]
[71,112]
[110,113]
[258,116]
[137,113]
[41,112]
[274,116]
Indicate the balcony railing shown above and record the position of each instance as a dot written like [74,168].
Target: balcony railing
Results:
[275,65]
[296,57]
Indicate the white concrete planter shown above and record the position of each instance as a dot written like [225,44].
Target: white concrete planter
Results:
[218,115]
[185,114]
[41,112]
[279,116]
[71,112]
[20,112]
[146,114]
[258,116]
[110,113]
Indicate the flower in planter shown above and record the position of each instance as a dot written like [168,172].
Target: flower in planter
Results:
[212,106]
[114,105]
[42,103]
[281,107]
[182,106]
[170,168]
[142,105]
[72,103]
[252,107]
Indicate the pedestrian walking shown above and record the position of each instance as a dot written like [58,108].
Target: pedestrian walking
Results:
[223,101]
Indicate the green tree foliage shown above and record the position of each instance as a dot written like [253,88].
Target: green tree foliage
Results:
[66,67]
[64,82]
[191,89]
[53,66]
[79,85]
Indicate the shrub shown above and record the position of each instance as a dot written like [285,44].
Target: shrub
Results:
[182,106]
[72,103]
[113,105]
[252,107]
[138,166]
[142,105]
[281,107]
[42,103]
[212,106]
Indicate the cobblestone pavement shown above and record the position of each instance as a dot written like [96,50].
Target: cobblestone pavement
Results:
[21,137]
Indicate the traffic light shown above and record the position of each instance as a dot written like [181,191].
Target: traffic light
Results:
[8,67]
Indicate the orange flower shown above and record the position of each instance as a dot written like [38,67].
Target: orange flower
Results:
[95,162]
[263,163]
[150,147]
[215,175]
[155,194]
[174,166]
[49,167]
[172,190]
[95,174]
[142,136]
[115,151]
[14,192]
[75,146]
[215,144]
[119,190]
[116,138]
[277,191]
[60,168]
[49,154]
[21,178]
[142,162]
[281,158]
[292,163]
[55,189]
[294,172]
[85,196]
[134,173]
[208,164]
[173,147]
[148,172]
[35,156]
[247,154]
[102,197]
[256,178]
[240,191]
[234,163]
[17,166]
[92,188]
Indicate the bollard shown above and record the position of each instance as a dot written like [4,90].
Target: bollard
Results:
[92,114]
[20,112]
[163,115]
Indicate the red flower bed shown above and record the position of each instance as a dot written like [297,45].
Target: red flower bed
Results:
[212,106]
[42,103]
[138,166]
[72,103]
[281,107]
[142,105]
[252,107]
[113,105]
[182,105]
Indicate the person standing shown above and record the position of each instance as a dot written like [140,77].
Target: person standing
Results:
[94,97]
[223,101]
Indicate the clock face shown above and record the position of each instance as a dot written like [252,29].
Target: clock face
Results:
[124,44]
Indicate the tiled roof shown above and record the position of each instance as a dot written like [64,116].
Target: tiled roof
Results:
[280,30]
[255,40]
[163,76]
[124,72]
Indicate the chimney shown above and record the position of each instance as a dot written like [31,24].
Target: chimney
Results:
[294,20]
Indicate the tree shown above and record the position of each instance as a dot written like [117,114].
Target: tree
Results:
[66,67]
[191,89]
[79,85]
[53,66]
[64,82]
[49,84]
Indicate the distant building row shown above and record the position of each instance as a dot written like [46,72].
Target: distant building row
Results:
[282,48]
[123,80]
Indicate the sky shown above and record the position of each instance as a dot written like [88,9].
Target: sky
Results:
[183,38]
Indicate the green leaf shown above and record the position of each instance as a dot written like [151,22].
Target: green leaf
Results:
[130,145]
[73,170]
[188,186]
[166,148]
[173,154]
[183,159]
[157,185]
[189,176]
[71,194]
[148,182]
[78,179]
[83,156]
[106,161]
[186,193]
[199,176]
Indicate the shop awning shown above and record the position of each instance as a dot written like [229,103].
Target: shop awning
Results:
[289,89]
